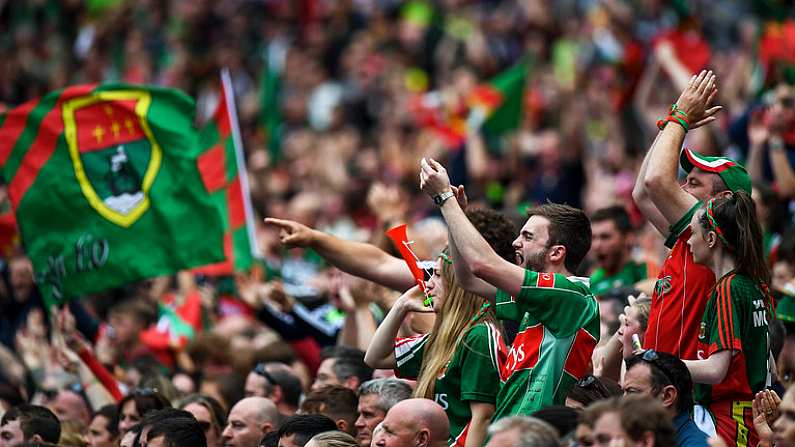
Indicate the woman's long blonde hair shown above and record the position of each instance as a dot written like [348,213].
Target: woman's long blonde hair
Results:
[459,311]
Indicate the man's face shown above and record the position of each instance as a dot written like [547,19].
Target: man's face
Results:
[531,246]
[784,427]
[242,429]
[326,375]
[508,438]
[608,244]
[288,441]
[98,434]
[211,431]
[607,430]
[395,432]
[69,406]
[370,415]
[21,275]
[256,385]
[699,184]
[11,434]
[637,380]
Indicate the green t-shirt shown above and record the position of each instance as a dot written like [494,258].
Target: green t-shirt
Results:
[631,273]
[471,375]
[735,318]
[559,328]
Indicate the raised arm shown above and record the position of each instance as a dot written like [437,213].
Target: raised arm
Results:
[641,196]
[359,259]
[381,352]
[463,275]
[660,179]
[474,251]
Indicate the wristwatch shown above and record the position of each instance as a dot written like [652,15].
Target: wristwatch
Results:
[776,144]
[439,199]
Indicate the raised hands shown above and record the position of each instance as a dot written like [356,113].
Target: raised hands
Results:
[765,412]
[433,177]
[292,234]
[697,98]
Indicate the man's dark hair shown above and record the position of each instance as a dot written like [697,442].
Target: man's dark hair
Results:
[334,401]
[179,431]
[348,362]
[638,415]
[568,227]
[35,420]
[304,426]
[617,214]
[270,440]
[146,400]
[667,369]
[496,229]
[591,388]
[563,418]
[287,380]
[111,413]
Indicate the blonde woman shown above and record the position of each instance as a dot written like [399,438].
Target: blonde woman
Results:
[457,363]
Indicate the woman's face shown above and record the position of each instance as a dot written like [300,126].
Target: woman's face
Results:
[435,286]
[129,416]
[98,434]
[630,325]
[699,246]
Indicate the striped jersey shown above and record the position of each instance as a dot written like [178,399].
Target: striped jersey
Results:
[472,375]
[558,330]
[679,297]
[735,318]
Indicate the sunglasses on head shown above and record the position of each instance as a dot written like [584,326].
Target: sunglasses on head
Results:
[650,356]
[262,371]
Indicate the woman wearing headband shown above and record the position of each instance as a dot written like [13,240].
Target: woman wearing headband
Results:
[456,364]
[733,338]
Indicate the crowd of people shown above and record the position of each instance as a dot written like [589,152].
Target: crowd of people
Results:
[615,269]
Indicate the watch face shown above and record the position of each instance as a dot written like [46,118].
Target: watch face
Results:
[437,199]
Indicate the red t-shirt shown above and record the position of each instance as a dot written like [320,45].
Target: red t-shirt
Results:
[682,290]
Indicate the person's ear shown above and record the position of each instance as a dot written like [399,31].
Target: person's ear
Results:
[668,396]
[711,238]
[647,439]
[36,439]
[266,427]
[276,394]
[351,382]
[557,254]
[424,438]
[342,425]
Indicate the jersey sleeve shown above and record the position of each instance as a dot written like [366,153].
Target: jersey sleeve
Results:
[561,305]
[480,381]
[408,356]
[676,230]
[726,332]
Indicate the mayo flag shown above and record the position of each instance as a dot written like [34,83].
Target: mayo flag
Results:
[105,187]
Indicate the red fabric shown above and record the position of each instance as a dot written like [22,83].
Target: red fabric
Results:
[103,375]
[690,48]
[212,167]
[107,123]
[735,429]
[676,310]
[308,351]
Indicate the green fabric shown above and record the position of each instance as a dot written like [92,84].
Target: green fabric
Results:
[735,318]
[511,86]
[630,273]
[271,110]
[559,328]
[681,225]
[105,213]
[471,376]
[731,172]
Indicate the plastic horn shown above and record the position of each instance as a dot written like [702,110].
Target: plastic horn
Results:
[399,238]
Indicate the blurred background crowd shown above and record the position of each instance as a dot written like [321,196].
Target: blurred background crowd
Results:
[334,100]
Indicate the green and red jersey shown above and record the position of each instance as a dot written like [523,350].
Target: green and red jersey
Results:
[559,328]
[472,375]
[736,319]
[680,294]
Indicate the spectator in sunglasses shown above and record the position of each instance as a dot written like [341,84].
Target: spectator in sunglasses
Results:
[278,382]
[666,378]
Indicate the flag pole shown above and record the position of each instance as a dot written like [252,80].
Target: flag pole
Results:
[229,94]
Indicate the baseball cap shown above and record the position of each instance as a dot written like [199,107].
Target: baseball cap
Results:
[732,173]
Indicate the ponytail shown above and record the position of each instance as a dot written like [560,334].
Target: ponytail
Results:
[733,218]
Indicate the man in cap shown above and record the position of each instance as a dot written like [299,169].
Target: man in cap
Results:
[682,287]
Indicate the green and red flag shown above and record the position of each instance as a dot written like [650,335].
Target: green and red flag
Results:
[105,187]
[499,102]
[223,170]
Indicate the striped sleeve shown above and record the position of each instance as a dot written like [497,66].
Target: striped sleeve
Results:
[408,356]
[726,329]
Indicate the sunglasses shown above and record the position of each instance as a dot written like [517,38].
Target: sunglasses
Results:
[650,356]
[586,381]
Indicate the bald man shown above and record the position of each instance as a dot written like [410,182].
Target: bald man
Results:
[414,422]
[249,421]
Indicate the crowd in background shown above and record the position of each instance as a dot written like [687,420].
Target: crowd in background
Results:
[327,94]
